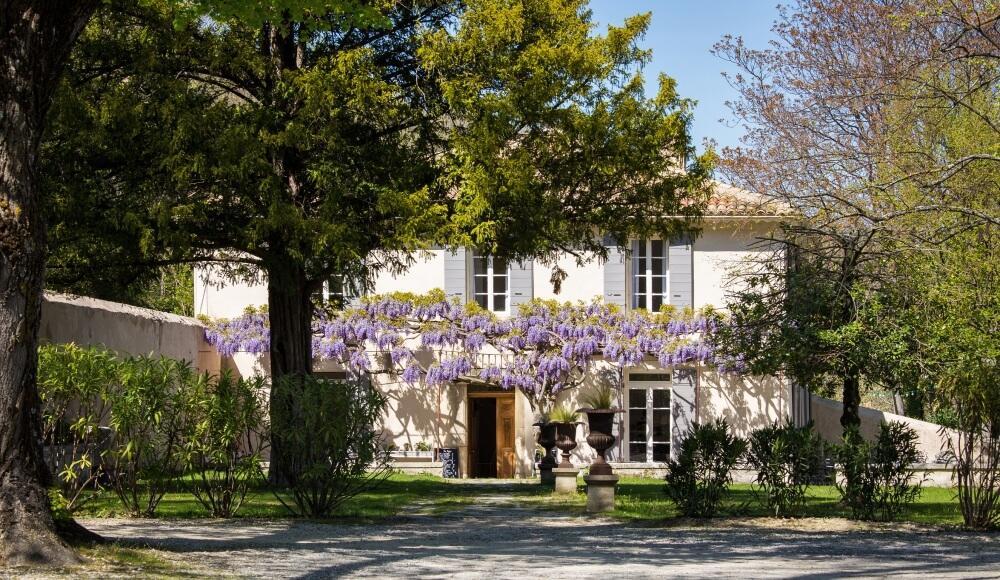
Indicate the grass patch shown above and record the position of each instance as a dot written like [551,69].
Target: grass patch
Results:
[124,561]
[644,499]
[424,493]
[638,499]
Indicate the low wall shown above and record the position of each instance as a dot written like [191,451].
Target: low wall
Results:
[826,418]
[127,330]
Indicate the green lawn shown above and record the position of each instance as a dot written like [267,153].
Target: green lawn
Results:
[641,499]
[427,493]
[645,499]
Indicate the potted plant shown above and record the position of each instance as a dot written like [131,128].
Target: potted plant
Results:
[547,440]
[423,449]
[600,418]
[565,420]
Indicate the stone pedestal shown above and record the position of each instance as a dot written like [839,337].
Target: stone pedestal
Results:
[600,492]
[565,479]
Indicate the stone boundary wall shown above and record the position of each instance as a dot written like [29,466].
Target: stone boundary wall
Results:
[127,330]
[826,413]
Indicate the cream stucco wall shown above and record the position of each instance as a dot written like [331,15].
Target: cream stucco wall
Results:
[583,283]
[721,253]
[826,419]
[218,298]
[426,274]
[127,330]
[745,402]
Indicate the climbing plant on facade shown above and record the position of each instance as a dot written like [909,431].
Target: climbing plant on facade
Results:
[543,349]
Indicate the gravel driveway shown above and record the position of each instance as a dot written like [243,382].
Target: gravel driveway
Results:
[496,538]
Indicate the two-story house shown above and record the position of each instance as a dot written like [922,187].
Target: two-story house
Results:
[492,428]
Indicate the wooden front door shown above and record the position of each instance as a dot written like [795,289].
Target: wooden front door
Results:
[505,438]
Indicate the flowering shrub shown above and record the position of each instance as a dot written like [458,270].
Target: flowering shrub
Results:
[544,348]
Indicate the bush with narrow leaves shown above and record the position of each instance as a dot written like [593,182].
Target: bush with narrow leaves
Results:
[329,446]
[148,417]
[785,458]
[73,385]
[225,434]
[877,480]
[698,478]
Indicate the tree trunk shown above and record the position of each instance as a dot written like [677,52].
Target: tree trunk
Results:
[290,314]
[852,398]
[35,39]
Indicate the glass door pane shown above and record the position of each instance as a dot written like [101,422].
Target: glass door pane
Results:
[637,425]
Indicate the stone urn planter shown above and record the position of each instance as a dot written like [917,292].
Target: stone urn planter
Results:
[600,437]
[547,439]
[566,442]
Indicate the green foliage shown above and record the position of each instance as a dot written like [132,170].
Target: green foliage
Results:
[786,458]
[563,414]
[73,384]
[878,481]
[974,446]
[395,128]
[700,475]
[326,432]
[600,397]
[549,112]
[149,416]
[226,432]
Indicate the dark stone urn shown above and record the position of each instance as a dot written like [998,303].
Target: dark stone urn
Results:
[547,439]
[566,442]
[600,437]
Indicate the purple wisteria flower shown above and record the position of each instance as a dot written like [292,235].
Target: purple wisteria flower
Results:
[542,349]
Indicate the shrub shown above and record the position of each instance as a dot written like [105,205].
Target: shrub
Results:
[785,458]
[225,432]
[325,431]
[975,447]
[147,416]
[73,383]
[878,482]
[701,473]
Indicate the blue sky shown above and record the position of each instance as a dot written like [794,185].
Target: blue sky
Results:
[681,34]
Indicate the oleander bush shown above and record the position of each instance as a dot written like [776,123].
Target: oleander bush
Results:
[877,480]
[327,440]
[73,384]
[698,478]
[150,414]
[225,434]
[785,458]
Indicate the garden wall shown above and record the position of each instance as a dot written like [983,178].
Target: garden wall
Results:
[826,417]
[127,330]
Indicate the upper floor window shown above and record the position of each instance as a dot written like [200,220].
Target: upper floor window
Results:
[490,282]
[336,292]
[649,274]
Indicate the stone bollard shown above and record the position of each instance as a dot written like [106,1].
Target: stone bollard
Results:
[600,492]
[565,479]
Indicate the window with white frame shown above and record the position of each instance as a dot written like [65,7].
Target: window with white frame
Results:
[648,420]
[491,282]
[335,292]
[649,274]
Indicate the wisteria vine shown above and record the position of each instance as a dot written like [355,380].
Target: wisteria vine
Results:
[543,349]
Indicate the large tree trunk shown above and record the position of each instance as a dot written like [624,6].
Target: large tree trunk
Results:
[852,398]
[290,314]
[35,38]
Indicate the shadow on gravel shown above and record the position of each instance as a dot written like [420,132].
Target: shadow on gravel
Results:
[495,537]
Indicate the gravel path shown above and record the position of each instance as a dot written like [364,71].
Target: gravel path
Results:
[496,538]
